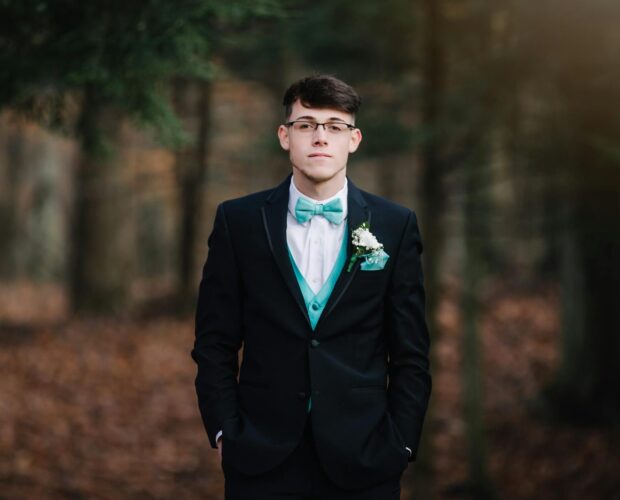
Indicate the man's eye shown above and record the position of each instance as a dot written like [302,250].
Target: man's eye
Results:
[304,126]
[335,127]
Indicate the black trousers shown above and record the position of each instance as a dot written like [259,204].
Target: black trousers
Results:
[300,477]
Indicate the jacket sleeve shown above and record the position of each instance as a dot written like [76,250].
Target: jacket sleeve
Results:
[218,331]
[408,339]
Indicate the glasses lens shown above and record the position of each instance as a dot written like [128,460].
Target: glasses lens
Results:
[335,127]
[309,127]
[301,126]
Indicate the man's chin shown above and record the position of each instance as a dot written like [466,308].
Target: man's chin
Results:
[317,176]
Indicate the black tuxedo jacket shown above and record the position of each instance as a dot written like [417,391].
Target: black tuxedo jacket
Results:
[365,365]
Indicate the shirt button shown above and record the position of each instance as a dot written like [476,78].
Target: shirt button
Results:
[315,307]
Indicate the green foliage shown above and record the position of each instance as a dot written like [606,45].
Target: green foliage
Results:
[122,52]
[360,39]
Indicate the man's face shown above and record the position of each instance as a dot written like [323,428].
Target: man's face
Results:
[319,156]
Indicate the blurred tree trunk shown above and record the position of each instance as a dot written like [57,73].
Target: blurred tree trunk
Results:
[192,103]
[101,266]
[15,143]
[433,167]
[474,40]
[433,205]
[479,485]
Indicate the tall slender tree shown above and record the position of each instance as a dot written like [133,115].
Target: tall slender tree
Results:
[192,100]
[101,62]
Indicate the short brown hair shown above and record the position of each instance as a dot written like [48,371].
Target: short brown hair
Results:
[322,91]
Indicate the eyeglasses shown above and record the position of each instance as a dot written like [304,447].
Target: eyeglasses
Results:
[308,127]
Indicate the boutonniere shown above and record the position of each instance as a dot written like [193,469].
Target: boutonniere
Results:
[367,247]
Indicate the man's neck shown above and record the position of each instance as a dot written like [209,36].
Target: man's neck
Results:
[320,191]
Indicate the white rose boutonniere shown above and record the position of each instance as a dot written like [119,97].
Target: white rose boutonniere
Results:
[367,247]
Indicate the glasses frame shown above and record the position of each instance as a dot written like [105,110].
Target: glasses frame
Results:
[317,124]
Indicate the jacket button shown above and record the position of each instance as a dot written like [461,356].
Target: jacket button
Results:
[315,343]
[301,395]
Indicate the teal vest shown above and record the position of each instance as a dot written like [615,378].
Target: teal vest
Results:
[315,303]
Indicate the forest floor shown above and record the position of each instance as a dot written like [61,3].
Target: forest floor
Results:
[106,408]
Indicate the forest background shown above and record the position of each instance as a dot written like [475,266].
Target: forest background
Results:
[124,124]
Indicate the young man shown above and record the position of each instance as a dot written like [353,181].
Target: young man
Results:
[322,285]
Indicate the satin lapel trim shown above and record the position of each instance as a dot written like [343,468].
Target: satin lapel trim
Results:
[274,219]
[358,212]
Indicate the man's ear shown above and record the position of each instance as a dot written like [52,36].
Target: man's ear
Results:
[283,137]
[356,138]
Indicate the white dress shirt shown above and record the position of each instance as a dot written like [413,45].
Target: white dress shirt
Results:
[314,244]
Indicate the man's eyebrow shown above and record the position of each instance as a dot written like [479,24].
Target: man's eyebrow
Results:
[313,118]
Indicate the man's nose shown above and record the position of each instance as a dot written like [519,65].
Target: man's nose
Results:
[320,134]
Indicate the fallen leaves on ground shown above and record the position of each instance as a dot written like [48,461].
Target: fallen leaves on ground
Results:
[106,409]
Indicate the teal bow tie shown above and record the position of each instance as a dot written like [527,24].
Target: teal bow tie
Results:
[306,209]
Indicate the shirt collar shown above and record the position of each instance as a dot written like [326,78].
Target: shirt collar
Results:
[294,194]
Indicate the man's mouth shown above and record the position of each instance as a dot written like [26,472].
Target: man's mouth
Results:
[319,155]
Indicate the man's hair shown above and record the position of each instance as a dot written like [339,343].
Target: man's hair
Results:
[322,91]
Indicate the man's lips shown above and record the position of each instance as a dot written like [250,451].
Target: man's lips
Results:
[319,155]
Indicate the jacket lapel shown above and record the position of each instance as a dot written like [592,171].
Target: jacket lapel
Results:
[274,214]
[358,212]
